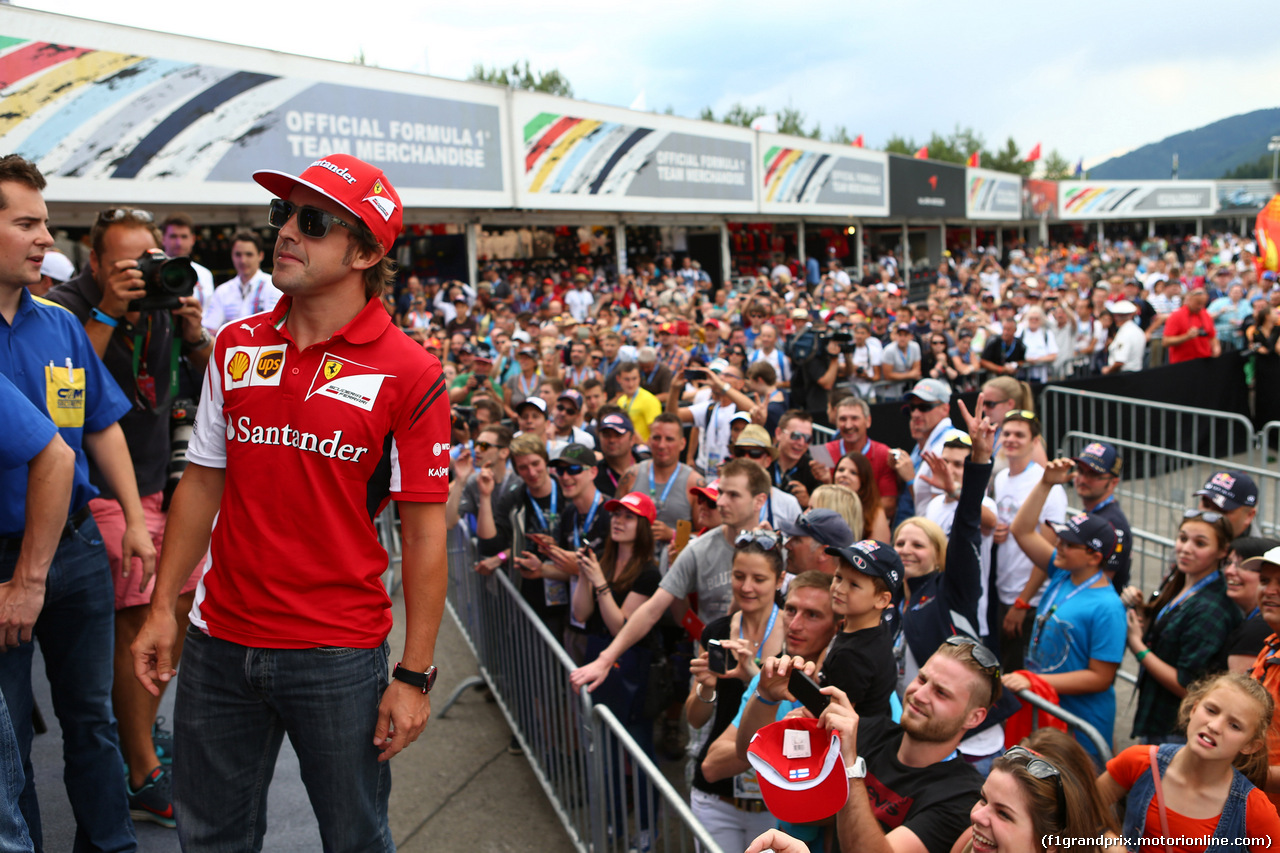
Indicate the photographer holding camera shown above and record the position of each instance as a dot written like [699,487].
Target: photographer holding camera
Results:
[143,321]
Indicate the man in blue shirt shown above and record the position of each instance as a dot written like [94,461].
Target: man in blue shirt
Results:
[32,442]
[46,354]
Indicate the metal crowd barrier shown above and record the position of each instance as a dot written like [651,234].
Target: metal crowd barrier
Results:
[1072,721]
[1268,437]
[606,792]
[1158,425]
[1155,501]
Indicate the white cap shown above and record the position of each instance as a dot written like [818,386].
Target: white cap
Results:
[1122,306]
[57,266]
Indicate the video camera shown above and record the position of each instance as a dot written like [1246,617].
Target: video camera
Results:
[844,339]
[166,280]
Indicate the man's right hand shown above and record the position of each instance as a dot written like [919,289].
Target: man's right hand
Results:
[152,650]
[20,605]
[123,285]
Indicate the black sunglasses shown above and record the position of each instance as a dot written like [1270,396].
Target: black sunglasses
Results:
[919,407]
[312,221]
[983,655]
[801,436]
[570,470]
[1040,768]
[753,452]
[568,410]
[484,445]
[760,538]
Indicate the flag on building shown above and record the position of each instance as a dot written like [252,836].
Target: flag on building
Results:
[857,142]
[923,153]
[973,159]
[1034,155]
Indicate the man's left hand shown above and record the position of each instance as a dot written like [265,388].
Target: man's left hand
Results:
[189,318]
[137,543]
[402,715]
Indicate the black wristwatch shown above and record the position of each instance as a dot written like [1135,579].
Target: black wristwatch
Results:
[422,680]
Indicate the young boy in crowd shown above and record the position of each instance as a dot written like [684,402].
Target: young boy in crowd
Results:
[860,661]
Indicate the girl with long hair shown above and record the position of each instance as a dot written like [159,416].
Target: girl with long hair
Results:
[854,471]
[1181,632]
[1212,785]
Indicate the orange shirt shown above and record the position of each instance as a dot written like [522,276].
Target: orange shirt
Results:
[1269,675]
[1260,817]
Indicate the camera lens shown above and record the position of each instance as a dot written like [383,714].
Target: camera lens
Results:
[177,276]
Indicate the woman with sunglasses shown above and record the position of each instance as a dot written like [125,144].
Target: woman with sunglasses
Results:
[1004,395]
[1182,631]
[854,471]
[940,600]
[1077,639]
[753,631]
[935,362]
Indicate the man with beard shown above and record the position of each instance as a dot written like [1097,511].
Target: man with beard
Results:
[664,478]
[615,437]
[853,419]
[909,789]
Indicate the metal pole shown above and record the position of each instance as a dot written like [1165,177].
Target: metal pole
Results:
[1151,228]
[620,244]
[973,237]
[726,268]
[1101,235]
[473,233]
[999,242]
[804,267]
[906,256]
[858,248]
[942,250]
[1199,226]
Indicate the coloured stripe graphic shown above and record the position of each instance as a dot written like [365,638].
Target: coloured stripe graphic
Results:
[793,176]
[567,155]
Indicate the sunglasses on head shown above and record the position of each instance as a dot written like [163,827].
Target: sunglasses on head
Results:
[760,538]
[312,221]
[569,470]
[482,446]
[1204,515]
[752,452]
[1040,768]
[983,655]
[1020,415]
[119,214]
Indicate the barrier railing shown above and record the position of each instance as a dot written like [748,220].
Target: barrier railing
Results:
[1091,732]
[1268,437]
[1154,502]
[608,794]
[1174,428]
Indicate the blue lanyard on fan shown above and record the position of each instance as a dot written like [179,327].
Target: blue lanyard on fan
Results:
[542,519]
[1053,605]
[653,484]
[1175,604]
[768,629]
[586,525]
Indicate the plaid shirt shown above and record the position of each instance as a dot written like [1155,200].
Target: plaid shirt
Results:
[1190,639]
[674,359]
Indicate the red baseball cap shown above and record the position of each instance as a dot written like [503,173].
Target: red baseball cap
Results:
[804,788]
[637,502]
[711,491]
[359,187]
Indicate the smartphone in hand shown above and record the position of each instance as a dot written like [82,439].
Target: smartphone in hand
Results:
[719,659]
[807,692]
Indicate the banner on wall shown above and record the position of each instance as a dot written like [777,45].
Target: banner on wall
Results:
[1135,199]
[1039,199]
[925,188]
[800,176]
[1244,197]
[992,195]
[587,156]
[92,117]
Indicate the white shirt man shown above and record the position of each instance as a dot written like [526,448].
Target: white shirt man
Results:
[250,292]
[579,302]
[766,350]
[178,241]
[1128,349]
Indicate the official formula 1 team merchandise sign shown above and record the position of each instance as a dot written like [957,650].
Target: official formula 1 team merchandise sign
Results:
[992,195]
[578,155]
[925,188]
[821,178]
[1135,199]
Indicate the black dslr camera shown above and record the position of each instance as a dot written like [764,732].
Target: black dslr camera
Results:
[166,279]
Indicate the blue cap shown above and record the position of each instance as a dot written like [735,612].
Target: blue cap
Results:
[1101,457]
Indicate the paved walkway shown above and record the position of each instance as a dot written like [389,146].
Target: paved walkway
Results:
[456,788]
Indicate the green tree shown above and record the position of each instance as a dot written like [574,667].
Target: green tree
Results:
[1260,168]
[1056,167]
[791,121]
[742,116]
[707,114]
[1008,159]
[901,145]
[840,136]
[521,76]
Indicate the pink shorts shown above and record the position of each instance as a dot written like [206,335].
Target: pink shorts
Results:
[110,519]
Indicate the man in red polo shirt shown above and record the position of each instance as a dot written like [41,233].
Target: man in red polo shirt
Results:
[1189,331]
[312,416]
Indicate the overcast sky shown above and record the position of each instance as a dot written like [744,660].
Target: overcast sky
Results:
[1100,79]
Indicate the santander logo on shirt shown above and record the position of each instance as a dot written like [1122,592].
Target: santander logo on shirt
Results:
[244,430]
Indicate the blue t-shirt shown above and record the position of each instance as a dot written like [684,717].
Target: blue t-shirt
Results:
[47,355]
[1087,624]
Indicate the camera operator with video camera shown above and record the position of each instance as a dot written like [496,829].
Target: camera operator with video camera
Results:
[814,354]
[138,309]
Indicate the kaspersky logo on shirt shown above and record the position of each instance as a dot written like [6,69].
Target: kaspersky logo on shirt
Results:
[348,381]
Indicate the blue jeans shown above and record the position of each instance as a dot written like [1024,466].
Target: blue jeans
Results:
[76,631]
[234,706]
[14,837]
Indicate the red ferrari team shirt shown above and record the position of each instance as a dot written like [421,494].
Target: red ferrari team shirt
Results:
[314,442]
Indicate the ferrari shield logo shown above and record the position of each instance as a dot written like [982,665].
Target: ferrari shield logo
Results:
[331,368]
